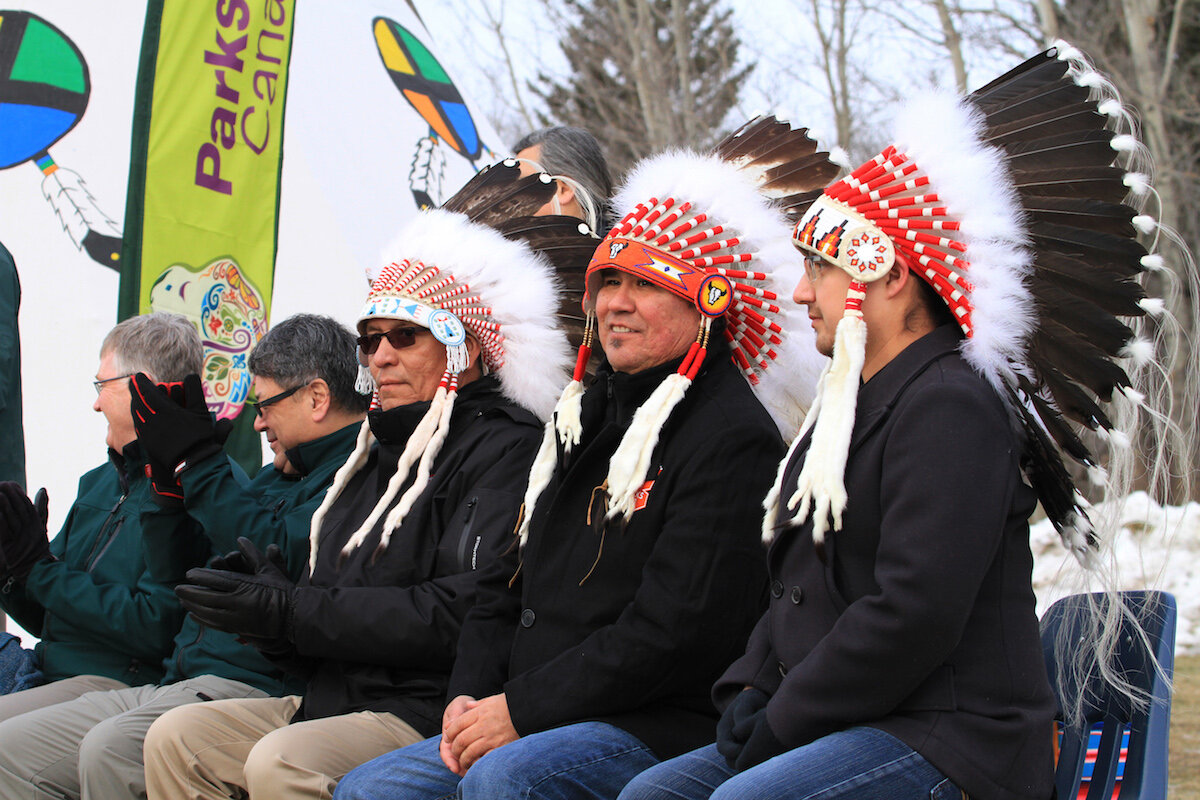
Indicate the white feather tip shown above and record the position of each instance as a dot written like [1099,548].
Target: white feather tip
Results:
[1132,395]
[1154,262]
[1124,143]
[1154,306]
[1137,182]
[1144,223]
[1139,351]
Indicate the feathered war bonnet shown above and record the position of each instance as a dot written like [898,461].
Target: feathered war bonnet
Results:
[712,229]
[1017,205]
[481,266]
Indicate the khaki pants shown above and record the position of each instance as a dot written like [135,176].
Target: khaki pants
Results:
[91,747]
[229,748]
[53,693]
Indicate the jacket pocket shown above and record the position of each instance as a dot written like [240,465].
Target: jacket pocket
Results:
[936,692]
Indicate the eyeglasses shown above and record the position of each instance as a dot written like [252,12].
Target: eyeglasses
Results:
[275,398]
[100,383]
[398,338]
[814,267]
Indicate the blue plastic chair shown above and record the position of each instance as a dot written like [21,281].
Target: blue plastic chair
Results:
[1140,734]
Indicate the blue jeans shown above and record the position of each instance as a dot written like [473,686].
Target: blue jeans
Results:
[860,763]
[585,760]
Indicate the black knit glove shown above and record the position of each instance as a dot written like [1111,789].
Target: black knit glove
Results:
[761,742]
[174,428]
[22,532]
[257,605]
[743,735]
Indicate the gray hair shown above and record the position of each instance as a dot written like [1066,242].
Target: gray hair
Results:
[574,154]
[305,347]
[165,346]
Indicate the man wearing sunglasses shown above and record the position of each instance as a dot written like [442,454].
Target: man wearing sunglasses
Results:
[105,621]
[459,345]
[304,374]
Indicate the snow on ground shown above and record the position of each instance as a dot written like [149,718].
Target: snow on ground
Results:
[1155,547]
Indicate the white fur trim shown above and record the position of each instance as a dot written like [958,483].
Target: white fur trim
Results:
[414,448]
[771,501]
[821,485]
[540,475]
[362,448]
[567,412]
[627,468]
[364,383]
[396,516]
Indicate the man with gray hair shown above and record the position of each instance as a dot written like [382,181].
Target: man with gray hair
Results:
[105,622]
[304,371]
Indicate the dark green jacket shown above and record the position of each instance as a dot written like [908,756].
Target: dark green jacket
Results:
[274,509]
[96,608]
[12,434]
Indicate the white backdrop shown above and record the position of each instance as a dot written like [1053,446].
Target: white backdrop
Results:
[349,142]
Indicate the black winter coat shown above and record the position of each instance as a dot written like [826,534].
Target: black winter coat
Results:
[631,626]
[378,631]
[920,619]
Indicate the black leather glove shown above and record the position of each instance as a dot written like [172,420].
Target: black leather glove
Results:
[732,728]
[257,605]
[174,428]
[22,531]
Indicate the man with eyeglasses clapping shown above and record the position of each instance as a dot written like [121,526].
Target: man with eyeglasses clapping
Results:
[104,620]
[304,374]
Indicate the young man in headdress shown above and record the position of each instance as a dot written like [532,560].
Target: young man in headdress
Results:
[589,654]
[304,374]
[460,350]
[900,656]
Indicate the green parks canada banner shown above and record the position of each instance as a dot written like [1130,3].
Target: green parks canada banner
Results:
[202,211]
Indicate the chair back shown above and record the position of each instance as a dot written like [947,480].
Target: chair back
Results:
[1127,755]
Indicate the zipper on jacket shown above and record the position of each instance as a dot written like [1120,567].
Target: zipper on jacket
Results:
[464,538]
[102,542]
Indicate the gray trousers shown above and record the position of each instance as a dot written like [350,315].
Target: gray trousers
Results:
[53,693]
[90,748]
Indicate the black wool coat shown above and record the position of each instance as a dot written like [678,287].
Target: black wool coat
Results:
[378,631]
[919,619]
[631,624]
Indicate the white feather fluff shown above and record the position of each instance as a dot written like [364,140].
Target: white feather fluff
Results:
[821,487]
[520,287]
[942,134]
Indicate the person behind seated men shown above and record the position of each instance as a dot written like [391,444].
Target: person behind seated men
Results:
[574,158]
[459,340]
[303,372]
[900,656]
[640,570]
[104,621]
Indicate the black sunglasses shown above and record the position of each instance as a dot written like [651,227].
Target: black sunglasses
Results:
[275,398]
[398,338]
